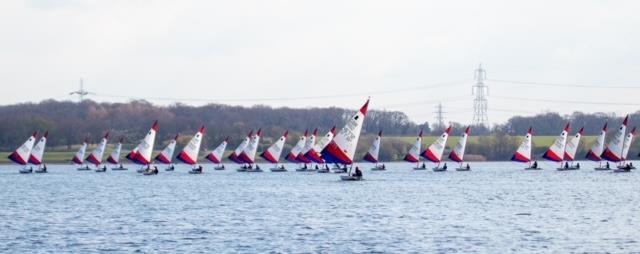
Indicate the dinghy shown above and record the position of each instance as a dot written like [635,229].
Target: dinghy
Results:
[598,147]
[624,165]
[166,156]
[374,151]
[142,153]
[311,141]
[613,152]
[235,156]
[523,154]
[435,151]
[297,149]
[216,155]
[272,154]
[189,154]
[343,147]
[37,154]
[556,150]
[314,153]
[248,155]
[96,155]
[21,155]
[114,158]
[78,159]
[570,151]
[457,154]
[414,153]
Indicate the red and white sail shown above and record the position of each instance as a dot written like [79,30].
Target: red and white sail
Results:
[598,147]
[96,156]
[613,151]
[435,150]
[38,150]
[572,146]
[414,152]
[308,146]
[248,155]
[235,156]
[374,150]
[114,158]
[297,149]
[21,155]
[314,154]
[556,150]
[142,153]
[166,156]
[457,154]
[272,154]
[342,148]
[627,143]
[523,154]
[189,154]
[215,156]
[78,158]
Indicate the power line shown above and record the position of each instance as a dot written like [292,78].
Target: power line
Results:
[565,85]
[567,101]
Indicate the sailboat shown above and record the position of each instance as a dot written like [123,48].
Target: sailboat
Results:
[216,155]
[374,151]
[556,150]
[166,156]
[314,154]
[297,149]
[142,153]
[78,158]
[626,167]
[235,156]
[37,154]
[308,145]
[114,158]
[613,151]
[598,147]
[570,151]
[272,154]
[343,147]
[523,154]
[248,155]
[457,154]
[96,156]
[414,153]
[435,151]
[189,154]
[22,154]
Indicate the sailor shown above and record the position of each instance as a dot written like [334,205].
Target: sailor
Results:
[445,166]
[44,167]
[566,165]
[384,167]
[257,167]
[578,165]
[317,167]
[607,166]
[468,167]
[358,172]
[423,165]
[535,164]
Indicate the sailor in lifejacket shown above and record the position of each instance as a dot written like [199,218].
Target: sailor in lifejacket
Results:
[44,167]
[358,172]
[578,165]
[445,166]
[468,167]
[535,164]
[607,166]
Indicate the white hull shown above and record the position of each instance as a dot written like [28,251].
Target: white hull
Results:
[622,170]
[26,171]
[538,168]
[463,169]
[350,178]
[278,170]
[437,169]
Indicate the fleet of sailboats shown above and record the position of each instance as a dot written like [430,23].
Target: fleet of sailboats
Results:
[332,148]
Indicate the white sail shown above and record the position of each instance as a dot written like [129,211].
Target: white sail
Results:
[21,155]
[166,155]
[297,149]
[435,150]
[556,150]
[248,155]
[96,156]
[216,155]
[523,154]
[627,143]
[272,154]
[572,146]
[613,151]
[38,150]
[414,152]
[78,158]
[142,153]
[314,153]
[114,158]
[374,150]
[598,147]
[308,145]
[343,147]
[457,154]
[235,156]
[189,154]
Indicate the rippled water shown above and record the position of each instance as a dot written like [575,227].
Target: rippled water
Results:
[495,208]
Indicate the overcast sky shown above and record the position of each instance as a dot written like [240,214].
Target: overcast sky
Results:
[407,55]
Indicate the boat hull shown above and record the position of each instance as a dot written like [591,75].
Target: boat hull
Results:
[533,168]
[84,169]
[26,171]
[463,169]
[351,178]
[278,170]
[119,168]
[323,171]
[439,169]
[602,169]
[622,170]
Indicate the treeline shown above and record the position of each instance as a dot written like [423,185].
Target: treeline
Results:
[69,123]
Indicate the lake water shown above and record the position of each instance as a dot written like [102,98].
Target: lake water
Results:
[495,208]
